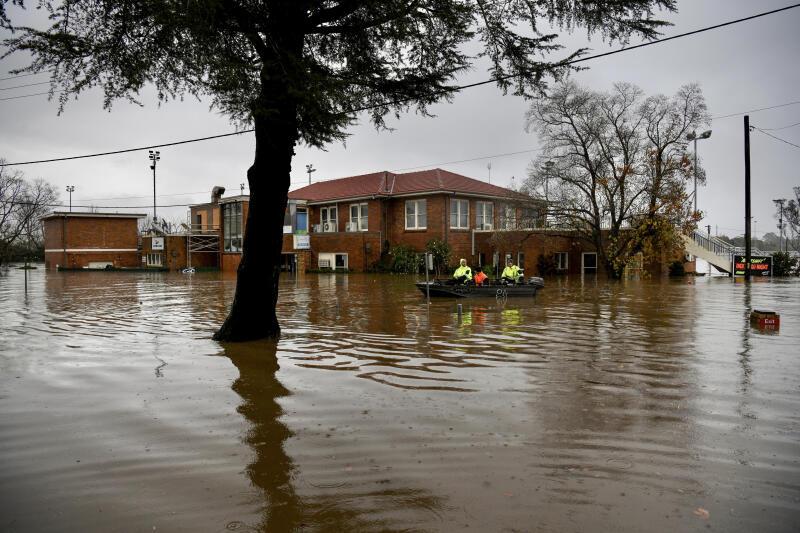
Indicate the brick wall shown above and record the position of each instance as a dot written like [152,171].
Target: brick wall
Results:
[532,245]
[362,248]
[94,234]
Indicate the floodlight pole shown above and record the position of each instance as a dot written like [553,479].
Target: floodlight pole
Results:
[780,223]
[693,137]
[70,188]
[154,157]
[310,169]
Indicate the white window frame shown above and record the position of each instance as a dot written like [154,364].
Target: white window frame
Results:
[154,260]
[459,209]
[558,256]
[420,211]
[583,263]
[362,217]
[346,263]
[481,215]
[326,218]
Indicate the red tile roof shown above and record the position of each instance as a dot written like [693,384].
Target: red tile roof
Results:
[391,184]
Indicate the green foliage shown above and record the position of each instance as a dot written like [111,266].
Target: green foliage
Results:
[441,255]
[676,269]
[546,265]
[783,264]
[406,260]
[488,270]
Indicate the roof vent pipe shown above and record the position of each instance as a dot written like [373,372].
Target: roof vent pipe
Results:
[216,194]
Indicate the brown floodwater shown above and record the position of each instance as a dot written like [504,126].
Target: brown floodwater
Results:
[631,406]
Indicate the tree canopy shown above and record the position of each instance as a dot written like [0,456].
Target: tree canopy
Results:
[615,166]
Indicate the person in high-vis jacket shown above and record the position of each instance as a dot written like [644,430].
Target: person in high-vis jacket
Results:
[463,273]
[512,273]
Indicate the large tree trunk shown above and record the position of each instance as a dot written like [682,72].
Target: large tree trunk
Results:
[252,314]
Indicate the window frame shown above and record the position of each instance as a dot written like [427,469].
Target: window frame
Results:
[456,212]
[332,221]
[508,222]
[480,214]
[362,220]
[232,227]
[557,256]
[416,215]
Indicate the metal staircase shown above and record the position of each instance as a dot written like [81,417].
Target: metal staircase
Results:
[716,251]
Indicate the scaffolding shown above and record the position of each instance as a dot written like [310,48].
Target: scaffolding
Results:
[201,239]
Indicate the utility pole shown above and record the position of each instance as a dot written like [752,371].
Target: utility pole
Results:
[241,189]
[310,169]
[780,223]
[154,157]
[708,228]
[489,166]
[70,188]
[747,249]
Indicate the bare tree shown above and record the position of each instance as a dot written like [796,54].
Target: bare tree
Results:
[22,204]
[614,166]
[791,220]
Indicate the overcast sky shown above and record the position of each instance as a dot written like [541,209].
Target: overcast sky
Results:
[742,67]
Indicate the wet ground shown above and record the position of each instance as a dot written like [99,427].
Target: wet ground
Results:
[638,406]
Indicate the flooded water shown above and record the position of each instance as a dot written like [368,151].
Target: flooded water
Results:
[639,406]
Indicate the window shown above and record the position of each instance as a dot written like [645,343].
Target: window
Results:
[416,214]
[154,260]
[341,261]
[459,214]
[232,227]
[328,219]
[521,260]
[481,259]
[484,215]
[529,217]
[508,217]
[589,262]
[358,217]
[561,260]
[302,221]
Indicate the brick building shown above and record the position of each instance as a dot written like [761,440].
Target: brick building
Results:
[354,220]
[91,240]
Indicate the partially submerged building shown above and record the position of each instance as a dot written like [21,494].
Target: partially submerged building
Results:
[91,240]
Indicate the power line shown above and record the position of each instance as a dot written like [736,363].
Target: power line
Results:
[25,75]
[756,110]
[777,138]
[468,160]
[783,127]
[21,86]
[27,95]
[444,91]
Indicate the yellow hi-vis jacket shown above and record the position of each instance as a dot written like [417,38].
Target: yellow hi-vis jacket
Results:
[511,272]
[463,271]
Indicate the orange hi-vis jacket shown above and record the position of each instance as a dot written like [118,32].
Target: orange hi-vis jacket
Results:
[480,277]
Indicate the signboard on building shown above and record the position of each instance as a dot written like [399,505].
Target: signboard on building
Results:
[760,265]
[302,242]
[158,243]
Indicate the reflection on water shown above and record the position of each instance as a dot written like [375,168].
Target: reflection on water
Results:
[598,406]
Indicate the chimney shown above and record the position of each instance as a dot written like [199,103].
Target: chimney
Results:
[216,194]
